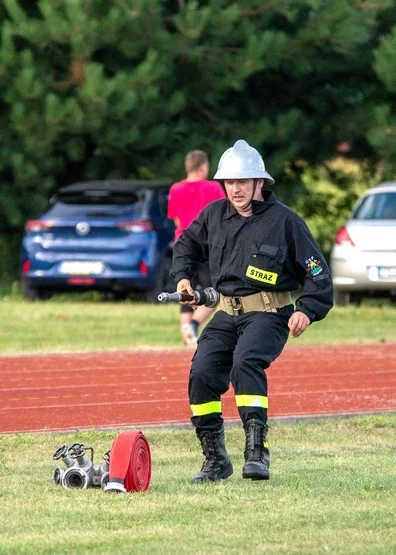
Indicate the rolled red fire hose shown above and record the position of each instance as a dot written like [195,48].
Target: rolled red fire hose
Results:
[130,463]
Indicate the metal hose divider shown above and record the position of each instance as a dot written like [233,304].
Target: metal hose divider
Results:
[62,453]
[104,470]
[80,471]
[75,478]
[101,471]
[58,475]
[130,468]
[104,480]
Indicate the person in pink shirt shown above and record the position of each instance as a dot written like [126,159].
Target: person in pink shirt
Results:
[186,200]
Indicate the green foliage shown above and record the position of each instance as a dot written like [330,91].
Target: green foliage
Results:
[383,130]
[9,248]
[328,193]
[124,88]
[384,61]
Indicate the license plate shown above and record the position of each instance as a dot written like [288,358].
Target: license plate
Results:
[387,273]
[77,268]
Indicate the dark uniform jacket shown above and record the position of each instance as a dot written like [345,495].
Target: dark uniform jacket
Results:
[271,250]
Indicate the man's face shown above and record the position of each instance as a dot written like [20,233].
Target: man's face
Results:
[239,191]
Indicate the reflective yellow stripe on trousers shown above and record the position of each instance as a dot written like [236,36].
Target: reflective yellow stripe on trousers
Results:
[206,408]
[251,401]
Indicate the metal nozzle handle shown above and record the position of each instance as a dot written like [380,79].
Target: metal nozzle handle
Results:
[175,297]
[208,297]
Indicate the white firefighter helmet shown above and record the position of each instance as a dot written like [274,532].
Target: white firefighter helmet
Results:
[242,161]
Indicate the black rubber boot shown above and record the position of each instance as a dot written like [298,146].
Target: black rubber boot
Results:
[257,455]
[217,464]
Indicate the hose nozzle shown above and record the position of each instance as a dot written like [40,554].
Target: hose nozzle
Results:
[208,297]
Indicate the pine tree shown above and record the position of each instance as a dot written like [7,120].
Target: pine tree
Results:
[124,88]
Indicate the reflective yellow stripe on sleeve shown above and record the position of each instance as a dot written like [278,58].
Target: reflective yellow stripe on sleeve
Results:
[206,408]
[251,401]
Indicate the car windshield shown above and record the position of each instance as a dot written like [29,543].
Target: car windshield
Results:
[95,204]
[379,206]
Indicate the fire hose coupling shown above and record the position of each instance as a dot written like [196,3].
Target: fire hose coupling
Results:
[208,297]
[80,471]
[126,467]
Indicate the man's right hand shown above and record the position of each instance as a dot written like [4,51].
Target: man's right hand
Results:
[184,286]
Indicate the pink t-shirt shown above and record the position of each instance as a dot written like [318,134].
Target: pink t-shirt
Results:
[188,198]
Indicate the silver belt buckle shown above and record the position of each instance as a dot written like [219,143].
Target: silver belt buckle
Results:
[237,306]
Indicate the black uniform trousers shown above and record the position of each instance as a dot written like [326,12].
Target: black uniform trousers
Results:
[235,349]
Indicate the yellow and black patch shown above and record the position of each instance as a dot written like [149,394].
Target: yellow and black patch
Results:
[261,275]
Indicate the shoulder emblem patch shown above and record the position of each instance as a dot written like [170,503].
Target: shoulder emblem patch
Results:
[313,266]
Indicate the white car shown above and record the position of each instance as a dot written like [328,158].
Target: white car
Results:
[363,257]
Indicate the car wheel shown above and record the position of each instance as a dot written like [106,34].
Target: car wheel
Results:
[30,293]
[341,298]
[355,299]
[114,296]
[164,282]
[44,295]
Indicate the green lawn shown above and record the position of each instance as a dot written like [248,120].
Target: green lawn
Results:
[333,483]
[332,490]
[69,324]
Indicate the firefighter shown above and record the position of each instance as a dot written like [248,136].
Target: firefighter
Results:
[259,251]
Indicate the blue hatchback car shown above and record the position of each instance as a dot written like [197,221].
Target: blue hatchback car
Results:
[112,236]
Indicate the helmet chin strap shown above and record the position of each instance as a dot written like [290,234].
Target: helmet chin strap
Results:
[244,208]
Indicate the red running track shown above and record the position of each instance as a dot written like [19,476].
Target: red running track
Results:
[137,388]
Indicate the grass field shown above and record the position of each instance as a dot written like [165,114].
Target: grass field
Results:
[332,487]
[70,324]
[332,490]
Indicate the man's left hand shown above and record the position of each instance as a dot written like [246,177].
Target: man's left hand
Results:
[298,323]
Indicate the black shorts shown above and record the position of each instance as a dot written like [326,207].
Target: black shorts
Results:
[201,281]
